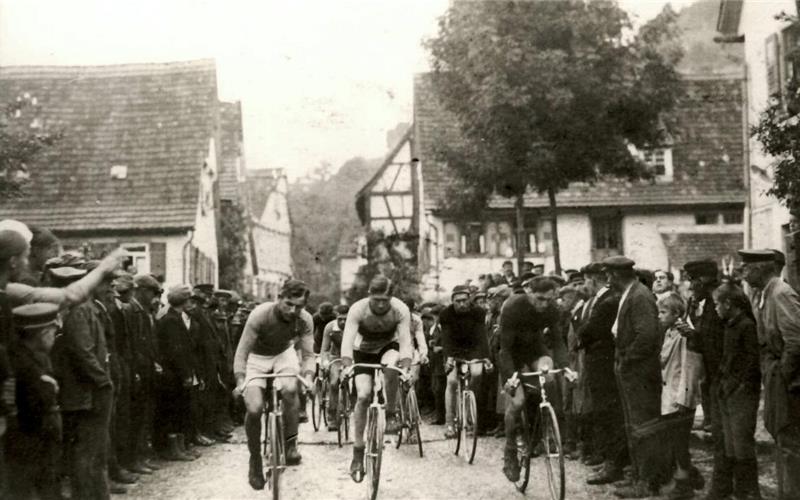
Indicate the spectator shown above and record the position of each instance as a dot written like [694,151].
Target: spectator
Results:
[664,283]
[508,273]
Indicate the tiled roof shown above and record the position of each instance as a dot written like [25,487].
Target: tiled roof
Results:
[156,119]
[686,247]
[707,150]
[231,137]
[260,184]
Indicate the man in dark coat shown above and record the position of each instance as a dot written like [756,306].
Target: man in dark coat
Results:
[597,341]
[637,368]
[81,364]
[708,339]
[776,307]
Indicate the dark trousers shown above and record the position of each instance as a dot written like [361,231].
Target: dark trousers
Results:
[173,413]
[439,389]
[86,440]
[142,398]
[122,419]
[787,462]
[738,412]
[680,423]
[31,466]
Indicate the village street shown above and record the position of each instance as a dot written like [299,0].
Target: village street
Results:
[221,473]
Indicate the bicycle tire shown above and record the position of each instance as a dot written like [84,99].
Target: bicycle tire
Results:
[325,401]
[524,444]
[414,418]
[374,452]
[341,414]
[471,424]
[314,410]
[277,458]
[458,423]
[401,405]
[553,453]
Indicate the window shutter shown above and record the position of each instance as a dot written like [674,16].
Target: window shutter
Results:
[158,258]
[773,57]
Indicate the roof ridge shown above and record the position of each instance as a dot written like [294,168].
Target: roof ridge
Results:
[106,70]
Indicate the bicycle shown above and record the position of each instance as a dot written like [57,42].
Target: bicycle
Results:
[273,441]
[344,408]
[547,429]
[375,427]
[321,400]
[466,423]
[410,418]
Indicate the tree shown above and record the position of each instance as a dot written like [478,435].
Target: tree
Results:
[233,246]
[23,140]
[393,256]
[778,131]
[546,93]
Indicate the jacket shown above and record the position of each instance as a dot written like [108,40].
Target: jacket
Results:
[681,371]
[176,348]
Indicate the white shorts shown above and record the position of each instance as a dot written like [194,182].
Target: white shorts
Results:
[285,363]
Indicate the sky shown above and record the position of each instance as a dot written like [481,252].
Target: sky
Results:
[319,80]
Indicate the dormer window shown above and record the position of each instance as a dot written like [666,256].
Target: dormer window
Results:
[119,171]
[660,161]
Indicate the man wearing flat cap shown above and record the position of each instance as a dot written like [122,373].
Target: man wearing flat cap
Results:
[777,310]
[707,338]
[33,438]
[269,344]
[637,367]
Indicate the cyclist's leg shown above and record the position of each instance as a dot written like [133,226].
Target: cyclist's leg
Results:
[333,391]
[415,368]
[392,379]
[254,403]
[286,363]
[364,398]
[514,406]
[450,398]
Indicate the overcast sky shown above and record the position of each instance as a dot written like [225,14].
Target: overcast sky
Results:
[319,80]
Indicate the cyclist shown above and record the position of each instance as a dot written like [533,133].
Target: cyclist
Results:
[418,342]
[331,348]
[377,330]
[528,334]
[463,336]
[268,344]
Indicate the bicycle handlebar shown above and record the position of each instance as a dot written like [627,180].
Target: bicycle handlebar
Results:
[374,366]
[283,375]
[476,361]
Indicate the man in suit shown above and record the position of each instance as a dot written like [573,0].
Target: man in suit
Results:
[597,342]
[637,368]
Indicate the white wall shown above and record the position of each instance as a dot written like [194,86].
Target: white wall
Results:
[757,23]
[205,228]
[575,239]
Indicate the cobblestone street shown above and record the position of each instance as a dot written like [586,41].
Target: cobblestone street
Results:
[221,473]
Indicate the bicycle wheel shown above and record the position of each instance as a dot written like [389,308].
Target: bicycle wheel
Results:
[458,423]
[470,425]
[553,452]
[323,407]
[414,418]
[374,452]
[341,413]
[277,456]
[524,444]
[401,404]
[315,406]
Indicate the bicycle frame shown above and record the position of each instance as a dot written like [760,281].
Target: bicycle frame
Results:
[465,395]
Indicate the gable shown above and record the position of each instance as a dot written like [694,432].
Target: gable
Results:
[154,119]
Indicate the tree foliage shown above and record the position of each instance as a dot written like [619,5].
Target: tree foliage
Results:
[393,256]
[549,93]
[778,131]
[23,140]
[233,246]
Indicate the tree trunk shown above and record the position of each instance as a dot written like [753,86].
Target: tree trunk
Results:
[520,216]
[551,194]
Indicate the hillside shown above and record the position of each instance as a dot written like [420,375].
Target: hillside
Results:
[698,24]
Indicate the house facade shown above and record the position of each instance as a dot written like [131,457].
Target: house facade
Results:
[769,46]
[137,165]
[271,230]
[693,208]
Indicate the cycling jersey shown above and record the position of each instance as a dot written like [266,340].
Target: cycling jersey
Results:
[368,332]
[332,339]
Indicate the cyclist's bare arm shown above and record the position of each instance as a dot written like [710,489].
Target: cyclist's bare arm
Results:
[306,345]
[404,336]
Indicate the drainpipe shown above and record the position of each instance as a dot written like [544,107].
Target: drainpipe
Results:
[187,260]
[748,212]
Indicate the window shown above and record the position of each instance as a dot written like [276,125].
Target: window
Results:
[472,239]
[607,233]
[706,219]
[119,171]
[139,256]
[660,161]
[782,55]
[736,217]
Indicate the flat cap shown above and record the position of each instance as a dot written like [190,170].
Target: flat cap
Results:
[206,288]
[618,262]
[593,268]
[557,278]
[223,293]
[757,255]
[538,269]
[178,294]
[501,291]
[478,295]
[702,268]
[780,257]
[34,316]
[66,274]
[148,282]
[459,290]
[574,277]
[67,259]
[122,282]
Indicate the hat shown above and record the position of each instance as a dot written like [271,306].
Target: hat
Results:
[178,294]
[122,282]
[538,269]
[65,275]
[12,243]
[72,258]
[148,282]
[478,295]
[459,290]
[294,288]
[206,288]
[502,291]
[706,268]
[593,268]
[618,262]
[557,278]
[223,293]
[780,257]
[35,316]
[574,276]
[18,227]
[760,255]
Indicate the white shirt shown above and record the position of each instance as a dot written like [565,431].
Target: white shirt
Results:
[621,301]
